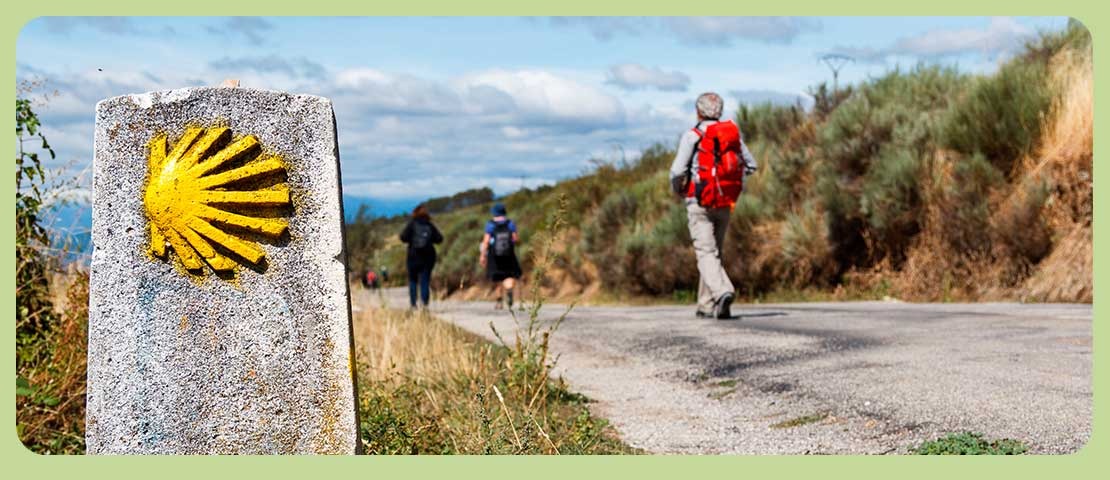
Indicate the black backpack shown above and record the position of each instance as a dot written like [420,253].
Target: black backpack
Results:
[421,235]
[502,240]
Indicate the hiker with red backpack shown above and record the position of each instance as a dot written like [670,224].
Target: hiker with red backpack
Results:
[421,235]
[498,254]
[708,172]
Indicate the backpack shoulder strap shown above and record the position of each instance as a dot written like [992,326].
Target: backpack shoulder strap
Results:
[697,145]
[696,131]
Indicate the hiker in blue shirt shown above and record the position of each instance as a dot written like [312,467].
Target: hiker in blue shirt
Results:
[421,235]
[498,254]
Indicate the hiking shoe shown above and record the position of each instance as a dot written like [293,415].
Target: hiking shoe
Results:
[723,307]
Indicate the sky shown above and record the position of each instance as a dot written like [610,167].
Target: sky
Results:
[429,106]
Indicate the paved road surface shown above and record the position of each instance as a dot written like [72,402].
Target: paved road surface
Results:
[880,376]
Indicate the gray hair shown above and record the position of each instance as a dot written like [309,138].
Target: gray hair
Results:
[710,105]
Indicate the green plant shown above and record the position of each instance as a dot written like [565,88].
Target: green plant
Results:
[34,311]
[50,344]
[968,443]
[802,420]
[805,246]
[1002,115]
[768,122]
[384,429]
[529,351]
[967,216]
[825,99]
[890,199]
[656,259]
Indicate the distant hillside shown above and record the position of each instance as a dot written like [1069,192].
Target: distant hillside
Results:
[922,184]
[376,207]
[70,226]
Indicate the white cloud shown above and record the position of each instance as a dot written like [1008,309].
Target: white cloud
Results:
[755,97]
[709,31]
[605,28]
[428,187]
[251,29]
[542,96]
[633,76]
[374,91]
[721,31]
[270,64]
[1001,37]
[510,131]
[108,25]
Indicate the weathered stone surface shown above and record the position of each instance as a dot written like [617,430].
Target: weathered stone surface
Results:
[186,363]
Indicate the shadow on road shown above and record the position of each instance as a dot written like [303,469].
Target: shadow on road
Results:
[753,315]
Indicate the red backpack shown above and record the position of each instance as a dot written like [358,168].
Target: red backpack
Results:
[720,176]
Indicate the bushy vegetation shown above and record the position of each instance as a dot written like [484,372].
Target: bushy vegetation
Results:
[928,182]
[1001,116]
[51,311]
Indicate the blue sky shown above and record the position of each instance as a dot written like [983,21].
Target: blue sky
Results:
[431,106]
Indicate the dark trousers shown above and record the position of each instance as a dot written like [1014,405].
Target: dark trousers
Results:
[422,275]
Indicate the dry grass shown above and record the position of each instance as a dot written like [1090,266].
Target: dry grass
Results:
[396,346]
[1068,141]
[1067,151]
[50,394]
[1065,275]
[1065,157]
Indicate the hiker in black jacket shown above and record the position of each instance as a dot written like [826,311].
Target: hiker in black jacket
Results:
[421,235]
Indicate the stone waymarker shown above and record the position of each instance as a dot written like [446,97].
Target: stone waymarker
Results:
[219,319]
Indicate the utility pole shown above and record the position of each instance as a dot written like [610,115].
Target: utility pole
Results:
[835,62]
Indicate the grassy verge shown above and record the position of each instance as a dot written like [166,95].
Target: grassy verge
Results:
[428,387]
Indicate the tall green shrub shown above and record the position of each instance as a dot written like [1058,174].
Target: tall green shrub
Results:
[33,308]
[768,122]
[1002,114]
[890,199]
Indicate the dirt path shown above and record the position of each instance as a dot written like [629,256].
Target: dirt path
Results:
[862,377]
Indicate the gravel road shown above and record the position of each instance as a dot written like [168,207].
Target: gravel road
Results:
[821,378]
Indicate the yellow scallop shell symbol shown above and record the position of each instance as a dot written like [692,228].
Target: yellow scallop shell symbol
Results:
[195,208]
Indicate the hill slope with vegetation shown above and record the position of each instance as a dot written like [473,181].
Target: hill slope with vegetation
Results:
[923,184]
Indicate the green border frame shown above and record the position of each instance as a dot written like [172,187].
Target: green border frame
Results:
[1083,463]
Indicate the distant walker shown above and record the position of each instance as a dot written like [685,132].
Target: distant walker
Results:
[498,254]
[421,235]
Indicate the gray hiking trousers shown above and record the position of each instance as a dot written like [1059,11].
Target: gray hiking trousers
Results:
[707,229]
